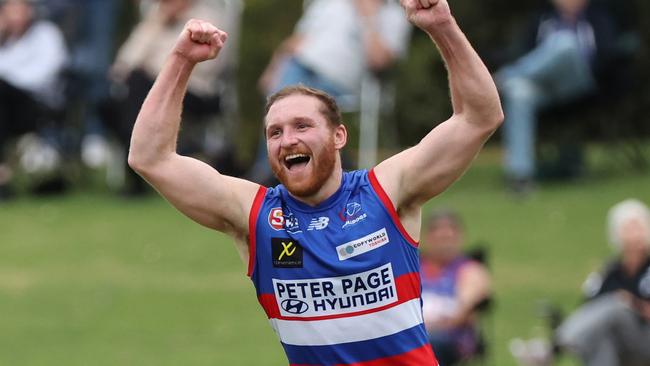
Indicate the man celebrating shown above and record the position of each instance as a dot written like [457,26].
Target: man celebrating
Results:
[333,255]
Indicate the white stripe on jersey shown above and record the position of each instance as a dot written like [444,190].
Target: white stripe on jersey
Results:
[349,329]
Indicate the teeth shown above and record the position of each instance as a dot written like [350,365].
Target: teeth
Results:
[294,156]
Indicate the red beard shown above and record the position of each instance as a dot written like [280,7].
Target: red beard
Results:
[321,169]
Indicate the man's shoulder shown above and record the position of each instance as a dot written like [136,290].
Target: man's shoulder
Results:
[274,191]
[355,178]
[357,173]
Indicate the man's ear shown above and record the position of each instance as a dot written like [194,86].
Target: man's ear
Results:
[340,136]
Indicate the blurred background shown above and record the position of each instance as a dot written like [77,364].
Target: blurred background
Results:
[96,269]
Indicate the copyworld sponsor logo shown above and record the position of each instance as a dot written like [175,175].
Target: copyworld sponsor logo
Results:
[336,295]
[363,245]
[318,223]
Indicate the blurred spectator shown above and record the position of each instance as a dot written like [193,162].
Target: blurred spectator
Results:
[567,48]
[32,56]
[89,27]
[453,286]
[334,56]
[141,58]
[613,326]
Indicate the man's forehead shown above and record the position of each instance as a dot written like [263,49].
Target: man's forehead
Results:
[293,107]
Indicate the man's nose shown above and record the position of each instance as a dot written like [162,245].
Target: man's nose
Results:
[289,138]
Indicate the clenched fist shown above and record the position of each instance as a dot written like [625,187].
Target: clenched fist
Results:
[427,14]
[199,41]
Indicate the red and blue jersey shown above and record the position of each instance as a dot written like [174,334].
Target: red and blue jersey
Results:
[339,282]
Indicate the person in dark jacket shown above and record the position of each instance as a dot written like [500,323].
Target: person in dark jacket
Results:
[612,326]
[567,47]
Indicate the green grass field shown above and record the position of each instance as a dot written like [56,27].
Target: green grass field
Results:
[90,279]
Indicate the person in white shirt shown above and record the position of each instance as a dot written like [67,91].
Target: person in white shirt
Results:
[143,55]
[32,56]
[333,56]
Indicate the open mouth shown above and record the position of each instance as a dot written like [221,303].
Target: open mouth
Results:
[293,161]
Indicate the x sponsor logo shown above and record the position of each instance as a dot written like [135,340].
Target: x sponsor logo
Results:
[287,253]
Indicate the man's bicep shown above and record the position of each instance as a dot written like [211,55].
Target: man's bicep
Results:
[203,194]
[416,174]
[440,158]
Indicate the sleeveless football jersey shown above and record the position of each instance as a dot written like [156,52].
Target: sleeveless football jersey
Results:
[339,282]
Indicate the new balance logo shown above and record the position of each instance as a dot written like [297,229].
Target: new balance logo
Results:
[318,223]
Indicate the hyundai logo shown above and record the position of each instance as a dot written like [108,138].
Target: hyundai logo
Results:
[294,306]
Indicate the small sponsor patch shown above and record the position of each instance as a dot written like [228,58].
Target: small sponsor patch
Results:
[352,214]
[362,245]
[318,223]
[352,209]
[276,218]
[280,220]
[287,253]
[291,224]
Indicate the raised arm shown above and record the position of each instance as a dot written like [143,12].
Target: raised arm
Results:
[415,175]
[196,189]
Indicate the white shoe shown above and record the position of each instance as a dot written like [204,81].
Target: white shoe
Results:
[533,352]
[95,151]
[37,156]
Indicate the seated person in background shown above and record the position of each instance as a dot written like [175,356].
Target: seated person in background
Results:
[566,48]
[368,35]
[613,327]
[143,55]
[452,287]
[32,56]
[90,28]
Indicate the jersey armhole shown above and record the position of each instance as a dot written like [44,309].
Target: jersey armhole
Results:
[383,197]
[252,228]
